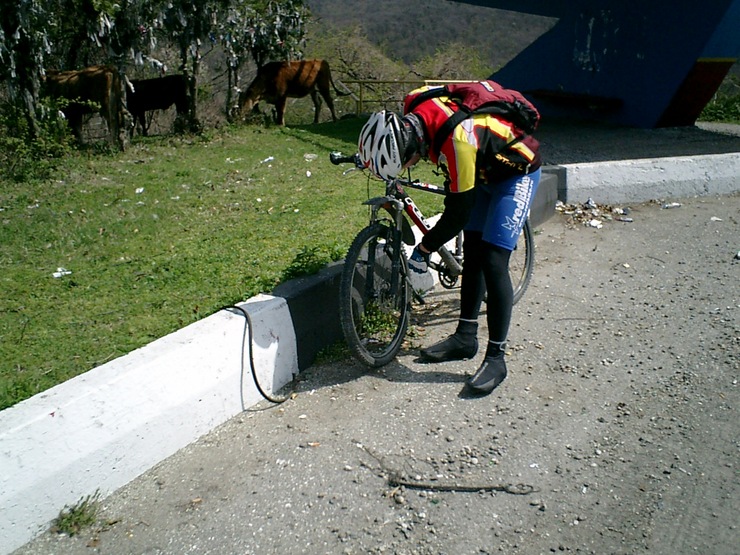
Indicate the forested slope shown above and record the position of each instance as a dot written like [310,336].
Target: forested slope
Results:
[413,29]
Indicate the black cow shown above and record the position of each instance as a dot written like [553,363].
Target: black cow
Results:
[156,94]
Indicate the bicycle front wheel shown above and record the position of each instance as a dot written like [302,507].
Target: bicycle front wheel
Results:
[521,263]
[373,298]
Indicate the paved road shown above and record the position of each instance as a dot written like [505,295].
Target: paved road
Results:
[620,411]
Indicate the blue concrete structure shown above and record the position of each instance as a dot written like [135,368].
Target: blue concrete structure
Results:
[652,64]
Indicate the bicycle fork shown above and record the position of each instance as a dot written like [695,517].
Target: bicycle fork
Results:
[394,242]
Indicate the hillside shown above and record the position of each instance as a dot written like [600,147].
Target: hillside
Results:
[411,30]
[379,41]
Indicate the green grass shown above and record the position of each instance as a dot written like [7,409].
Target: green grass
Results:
[725,106]
[163,235]
[83,514]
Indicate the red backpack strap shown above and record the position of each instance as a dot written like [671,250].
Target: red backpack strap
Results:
[412,101]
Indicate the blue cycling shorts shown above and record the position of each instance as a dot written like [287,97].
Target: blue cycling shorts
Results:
[502,208]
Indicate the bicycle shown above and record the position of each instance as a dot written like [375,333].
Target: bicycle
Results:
[375,291]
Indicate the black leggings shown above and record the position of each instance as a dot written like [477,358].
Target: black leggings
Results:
[486,267]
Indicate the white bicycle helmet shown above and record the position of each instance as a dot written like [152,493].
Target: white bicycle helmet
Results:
[381,144]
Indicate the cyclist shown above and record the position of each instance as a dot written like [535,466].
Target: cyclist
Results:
[489,197]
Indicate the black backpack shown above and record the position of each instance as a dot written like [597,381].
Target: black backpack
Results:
[482,97]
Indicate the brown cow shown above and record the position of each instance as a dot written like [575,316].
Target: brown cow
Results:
[156,94]
[276,81]
[99,84]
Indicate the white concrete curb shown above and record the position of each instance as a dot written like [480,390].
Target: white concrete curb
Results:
[100,430]
[649,179]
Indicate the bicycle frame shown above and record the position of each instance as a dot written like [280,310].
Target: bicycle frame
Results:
[397,202]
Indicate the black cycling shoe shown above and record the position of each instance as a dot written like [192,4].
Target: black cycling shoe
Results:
[489,376]
[455,347]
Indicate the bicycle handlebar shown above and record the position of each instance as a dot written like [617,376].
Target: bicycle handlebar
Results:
[337,158]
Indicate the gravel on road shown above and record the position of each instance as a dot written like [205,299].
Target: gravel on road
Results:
[618,418]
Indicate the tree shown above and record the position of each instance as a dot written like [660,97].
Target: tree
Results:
[453,61]
[189,23]
[23,45]
[278,32]
[70,31]
[126,29]
[76,33]
[231,28]
[68,34]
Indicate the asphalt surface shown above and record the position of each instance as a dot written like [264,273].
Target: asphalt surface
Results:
[619,414]
[573,142]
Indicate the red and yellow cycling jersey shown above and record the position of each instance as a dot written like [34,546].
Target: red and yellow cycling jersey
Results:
[483,148]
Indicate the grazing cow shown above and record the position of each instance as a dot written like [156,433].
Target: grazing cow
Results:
[156,94]
[276,81]
[99,84]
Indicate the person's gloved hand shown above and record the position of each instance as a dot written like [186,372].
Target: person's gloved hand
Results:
[419,261]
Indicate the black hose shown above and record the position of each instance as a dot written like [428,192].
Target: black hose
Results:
[249,334]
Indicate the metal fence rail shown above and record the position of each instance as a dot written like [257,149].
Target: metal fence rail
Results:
[388,94]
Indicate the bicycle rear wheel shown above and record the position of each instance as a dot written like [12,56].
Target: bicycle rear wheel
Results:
[373,299]
[521,263]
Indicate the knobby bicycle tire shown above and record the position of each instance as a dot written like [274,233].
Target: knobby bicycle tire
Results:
[521,263]
[374,317]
